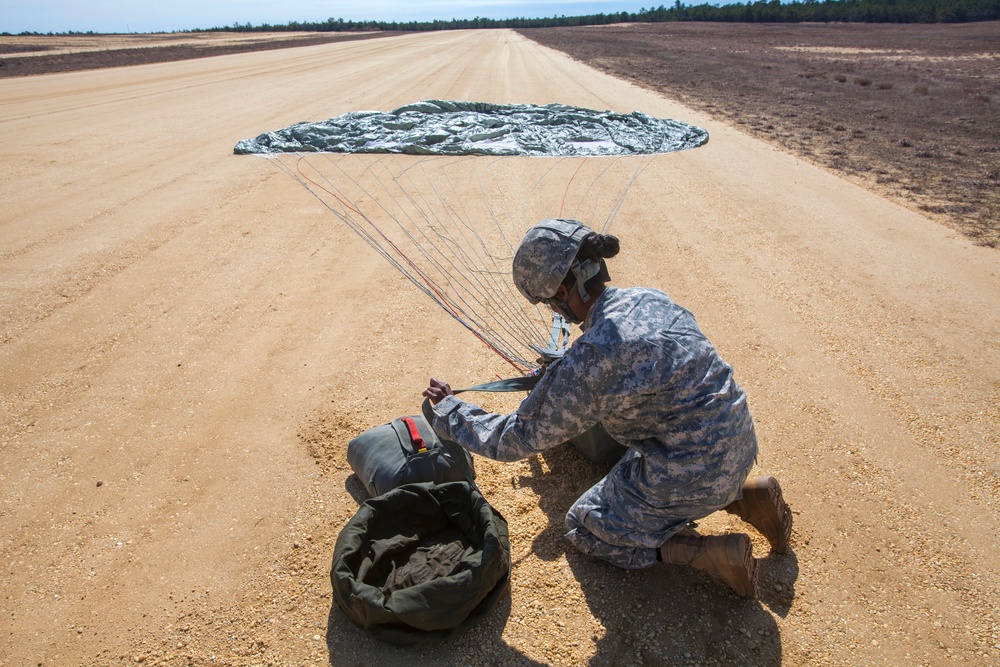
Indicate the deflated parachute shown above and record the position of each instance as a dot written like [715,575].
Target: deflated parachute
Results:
[444,191]
[439,127]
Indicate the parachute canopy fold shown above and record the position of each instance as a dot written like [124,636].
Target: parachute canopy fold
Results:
[436,127]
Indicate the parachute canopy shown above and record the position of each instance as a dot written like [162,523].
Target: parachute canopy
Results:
[436,127]
[444,192]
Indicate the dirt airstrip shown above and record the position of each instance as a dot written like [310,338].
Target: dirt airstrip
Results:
[188,340]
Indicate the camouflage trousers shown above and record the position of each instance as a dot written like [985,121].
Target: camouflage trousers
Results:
[616,522]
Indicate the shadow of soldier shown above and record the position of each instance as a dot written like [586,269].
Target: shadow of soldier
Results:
[667,614]
[482,644]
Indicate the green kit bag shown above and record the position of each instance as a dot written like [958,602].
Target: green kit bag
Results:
[421,562]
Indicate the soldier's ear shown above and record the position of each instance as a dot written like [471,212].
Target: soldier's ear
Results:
[562,293]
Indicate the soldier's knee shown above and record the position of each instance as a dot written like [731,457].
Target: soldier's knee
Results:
[574,517]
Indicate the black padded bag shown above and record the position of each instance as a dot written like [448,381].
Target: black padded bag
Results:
[404,451]
[385,534]
[597,446]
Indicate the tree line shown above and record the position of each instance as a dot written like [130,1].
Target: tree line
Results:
[760,11]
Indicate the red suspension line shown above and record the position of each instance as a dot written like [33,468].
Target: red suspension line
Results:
[445,301]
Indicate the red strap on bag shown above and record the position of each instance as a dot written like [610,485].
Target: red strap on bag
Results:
[418,442]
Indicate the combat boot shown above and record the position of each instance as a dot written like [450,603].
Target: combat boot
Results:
[763,507]
[726,558]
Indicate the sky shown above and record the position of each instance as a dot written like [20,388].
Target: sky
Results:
[120,16]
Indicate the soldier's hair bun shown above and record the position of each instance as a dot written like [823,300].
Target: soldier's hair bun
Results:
[599,246]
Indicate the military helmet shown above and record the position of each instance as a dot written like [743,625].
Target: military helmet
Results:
[545,257]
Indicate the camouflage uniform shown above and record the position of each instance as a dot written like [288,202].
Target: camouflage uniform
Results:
[645,371]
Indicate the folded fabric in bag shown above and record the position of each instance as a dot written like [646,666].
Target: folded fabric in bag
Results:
[421,562]
[426,564]
[406,450]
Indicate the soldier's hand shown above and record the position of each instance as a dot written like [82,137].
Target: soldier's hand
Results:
[437,391]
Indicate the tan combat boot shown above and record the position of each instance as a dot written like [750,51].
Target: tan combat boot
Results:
[726,558]
[763,507]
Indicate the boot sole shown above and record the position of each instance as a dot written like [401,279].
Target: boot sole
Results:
[726,559]
[772,515]
[739,553]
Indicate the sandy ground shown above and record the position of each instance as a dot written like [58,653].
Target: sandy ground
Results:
[187,341]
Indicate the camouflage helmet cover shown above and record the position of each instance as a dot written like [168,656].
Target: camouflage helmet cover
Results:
[546,255]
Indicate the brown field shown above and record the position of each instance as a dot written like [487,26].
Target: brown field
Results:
[909,111]
[27,55]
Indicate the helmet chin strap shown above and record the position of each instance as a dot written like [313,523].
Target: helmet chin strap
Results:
[562,308]
[581,272]
[584,271]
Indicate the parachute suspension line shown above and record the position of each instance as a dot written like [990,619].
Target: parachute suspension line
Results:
[457,305]
[438,293]
[613,213]
[525,325]
[597,197]
[536,191]
[614,169]
[471,259]
[439,236]
[470,256]
[416,213]
[569,184]
[456,310]
[458,249]
[490,275]
[475,289]
[509,245]
[524,328]
[368,237]
[344,218]
[418,277]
